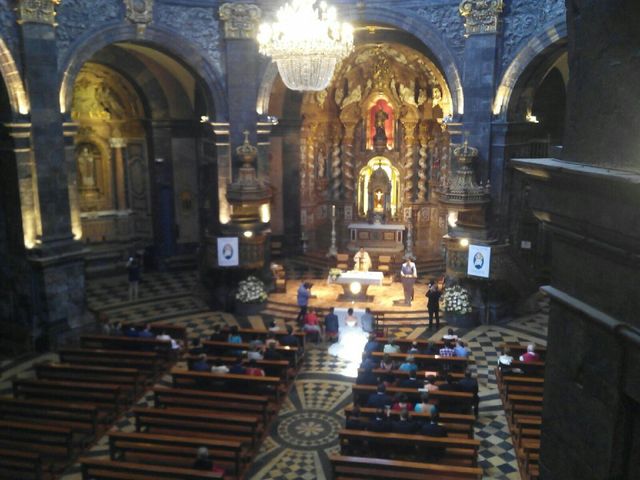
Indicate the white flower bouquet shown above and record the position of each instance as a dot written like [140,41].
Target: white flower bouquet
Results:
[334,273]
[251,290]
[457,300]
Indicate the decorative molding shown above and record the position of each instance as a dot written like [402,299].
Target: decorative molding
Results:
[139,12]
[240,20]
[481,16]
[447,20]
[37,11]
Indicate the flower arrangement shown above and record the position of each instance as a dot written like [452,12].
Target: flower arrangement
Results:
[251,290]
[334,273]
[457,300]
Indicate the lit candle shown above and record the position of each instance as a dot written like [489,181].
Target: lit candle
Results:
[333,210]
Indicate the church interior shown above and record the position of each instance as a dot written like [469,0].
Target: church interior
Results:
[190,187]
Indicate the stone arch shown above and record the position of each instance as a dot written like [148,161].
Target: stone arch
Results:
[162,39]
[420,29]
[552,36]
[18,98]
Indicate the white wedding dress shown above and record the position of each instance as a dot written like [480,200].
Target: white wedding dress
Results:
[352,340]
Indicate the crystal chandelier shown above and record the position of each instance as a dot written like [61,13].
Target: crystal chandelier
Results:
[306,43]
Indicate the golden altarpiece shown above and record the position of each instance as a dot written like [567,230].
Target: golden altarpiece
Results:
[375,145]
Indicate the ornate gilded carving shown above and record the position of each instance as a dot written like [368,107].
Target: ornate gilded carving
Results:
[348,164]
[336,173]
[408,160]
[422,164]
[481,16]
[37,11]
[139,12]
[240,19]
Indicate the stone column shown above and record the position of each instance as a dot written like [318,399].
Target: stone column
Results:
[242,66]
[118,144]
[482,28]
[57,263]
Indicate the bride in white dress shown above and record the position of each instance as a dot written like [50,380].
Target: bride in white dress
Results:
[352,338]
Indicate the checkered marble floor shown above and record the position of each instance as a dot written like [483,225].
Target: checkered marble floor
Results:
[305,430]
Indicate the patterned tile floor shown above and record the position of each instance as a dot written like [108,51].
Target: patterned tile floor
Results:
[304,433]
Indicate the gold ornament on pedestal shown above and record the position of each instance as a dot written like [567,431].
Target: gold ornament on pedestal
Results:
[306,43]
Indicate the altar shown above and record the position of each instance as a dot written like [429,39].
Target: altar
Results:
[383,238]
[355,284]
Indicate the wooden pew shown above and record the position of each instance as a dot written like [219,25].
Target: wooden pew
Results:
[174,451]
[518,349]
[20,464]
[405,343]
[108,342]
[54,444]
[148,363]
[248,333]
[455,423]
[177,332]
[429,362]
[214,348]
[523,405]
[459,451]
[128,378]
[198,423]
[272,368]
[233,402]
[364,468]
[420,374]
[108,470]
[227,382]
[80,417]
[446,399]
[105,396]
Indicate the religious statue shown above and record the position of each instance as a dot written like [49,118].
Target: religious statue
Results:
[380,119]
[86,168]
[362,261]
[378,201]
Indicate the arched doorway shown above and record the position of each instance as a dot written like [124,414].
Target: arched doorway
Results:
[145,160]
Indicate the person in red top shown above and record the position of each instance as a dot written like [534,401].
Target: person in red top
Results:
[531,355]
[311,324]
[401,404]
[254,370]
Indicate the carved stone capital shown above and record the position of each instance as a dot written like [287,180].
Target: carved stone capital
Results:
[240,19]
[481,16]
[139,12]
[37,11]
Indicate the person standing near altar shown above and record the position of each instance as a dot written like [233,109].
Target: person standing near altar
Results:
[304,294]
[408,274]
[362,261]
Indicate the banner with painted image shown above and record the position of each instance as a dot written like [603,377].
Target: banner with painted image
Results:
[228,252]
[479,261]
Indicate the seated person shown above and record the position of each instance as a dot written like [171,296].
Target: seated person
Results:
[234,336]
[413,349]
[447,350]
[271,353]
[409,365]
[219,334]
[433,429]
[461,350]
[273,327]
[531,355]
[361,261]
[411,382]
[254,353]
[367,377]
[355,421]
[196,347]
[430,384]
[424,406]
[289,339]
[432,349]
[450,336]
[166,337]
[311,324]
[204,462]
[219,367]
[386,363]
[470,384]
[331,325]
[403,425]
[380,422]
[367,320]
[351,320]
[449,385]
[254,370]
[401,403]
[146,332]
[271,339]
[237,367]
[368,361]
[201,364]
[372,345]
[379,399]
[130,331]
[391,346]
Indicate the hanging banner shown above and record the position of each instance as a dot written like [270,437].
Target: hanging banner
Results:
[228,252]
[479,261]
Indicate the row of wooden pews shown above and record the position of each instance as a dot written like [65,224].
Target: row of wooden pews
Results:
[521,393]
[68,405]
[226,413]
[367,454]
